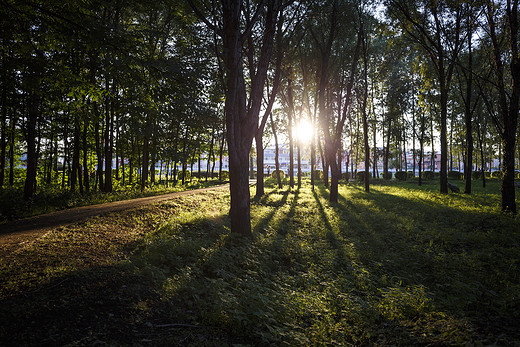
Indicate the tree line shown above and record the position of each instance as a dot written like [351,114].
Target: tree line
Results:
[174,82]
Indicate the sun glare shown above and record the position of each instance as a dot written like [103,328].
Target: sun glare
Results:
[303,131]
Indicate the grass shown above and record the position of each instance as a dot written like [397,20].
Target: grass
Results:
[52,198]
[402,265]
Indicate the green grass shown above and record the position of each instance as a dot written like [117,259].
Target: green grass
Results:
[52,198]
[401,265]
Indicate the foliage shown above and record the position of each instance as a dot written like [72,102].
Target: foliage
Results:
[455,175]
[387,176]
[497,174]
[428,175]
[360,175]
[318,174]
[275,174]
[225,175]
[476,175]
[187,176]
[401,175]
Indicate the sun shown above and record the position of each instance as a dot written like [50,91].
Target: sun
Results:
[303,131]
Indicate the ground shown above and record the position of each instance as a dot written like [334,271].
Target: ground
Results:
[402,265]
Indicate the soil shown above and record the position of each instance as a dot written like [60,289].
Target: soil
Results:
[29,229]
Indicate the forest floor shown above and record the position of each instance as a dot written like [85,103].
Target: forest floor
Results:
[401,265]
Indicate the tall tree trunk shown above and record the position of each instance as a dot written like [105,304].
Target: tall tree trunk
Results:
[365,117]
[32,119]
[107,188]
[221,155]
[299,165]
[210,154]
[468,167]
[99,146]
[146,159]
[290,117]
[153,158]
[276,156]
[86,176]
[12,137]
[75,154]
[259,166]
[242,120]
[387,149]
[3,124]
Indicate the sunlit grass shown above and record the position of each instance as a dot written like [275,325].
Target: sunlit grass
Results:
[401,265]
[53,198]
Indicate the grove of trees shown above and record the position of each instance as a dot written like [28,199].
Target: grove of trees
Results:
[93,94]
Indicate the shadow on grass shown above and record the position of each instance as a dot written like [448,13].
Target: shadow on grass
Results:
[457,261]
[360,272]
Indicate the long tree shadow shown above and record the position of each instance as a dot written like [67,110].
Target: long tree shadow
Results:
[413,242]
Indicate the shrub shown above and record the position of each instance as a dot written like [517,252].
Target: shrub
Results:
[497,174]
[428,175]
[517,174]
[476,175]
[387,176]
[318,174]
[188,175]
[401,175]
[455,175]
[411,174]
[347,175]
[275,174]
[360,175]
[225,175]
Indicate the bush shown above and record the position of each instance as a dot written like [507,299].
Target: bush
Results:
[388,176]
[517,174]
[225,175]
[360,175]
[275,174]
[497,174]
[476,175]
[401,175]
[188,175]
[411,174]
[428,175]
[318,174]
[347,175]
[455,175]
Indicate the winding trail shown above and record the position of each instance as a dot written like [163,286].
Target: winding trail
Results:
[28,229]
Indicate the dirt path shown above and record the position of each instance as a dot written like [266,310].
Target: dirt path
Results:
[28,229]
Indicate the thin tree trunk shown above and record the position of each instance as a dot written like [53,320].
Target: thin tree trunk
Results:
[276,148]
[32,119]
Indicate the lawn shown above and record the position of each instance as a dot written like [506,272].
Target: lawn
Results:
[52,197]
[401,265]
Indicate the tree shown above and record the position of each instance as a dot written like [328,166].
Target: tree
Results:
[242,107]
[509,95]
[437,28]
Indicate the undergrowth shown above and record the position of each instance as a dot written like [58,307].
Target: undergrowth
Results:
[401,265]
